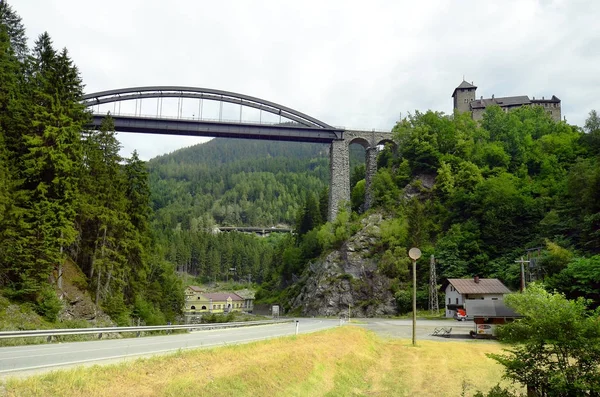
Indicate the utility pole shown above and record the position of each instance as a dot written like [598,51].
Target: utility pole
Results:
[434,304]
[522,262]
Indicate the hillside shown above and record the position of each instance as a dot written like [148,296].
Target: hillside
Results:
[237,182]
[229,182]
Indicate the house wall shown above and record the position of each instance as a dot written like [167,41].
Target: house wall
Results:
[456,298]
[452,297]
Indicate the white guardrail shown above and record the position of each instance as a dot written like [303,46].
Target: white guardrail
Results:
[109,330]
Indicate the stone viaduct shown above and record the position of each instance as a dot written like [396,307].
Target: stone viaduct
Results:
[339,163]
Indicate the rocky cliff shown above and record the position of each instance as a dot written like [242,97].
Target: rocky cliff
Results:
[348,276]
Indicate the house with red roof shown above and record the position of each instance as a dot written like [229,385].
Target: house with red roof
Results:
[458,291]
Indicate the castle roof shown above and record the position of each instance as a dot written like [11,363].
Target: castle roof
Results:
[554,99]
[464,84]
[519,100]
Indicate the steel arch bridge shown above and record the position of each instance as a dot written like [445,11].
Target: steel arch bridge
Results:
[298,127]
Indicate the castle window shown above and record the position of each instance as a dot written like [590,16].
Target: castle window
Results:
[203,307]
[193,307]
[465,100]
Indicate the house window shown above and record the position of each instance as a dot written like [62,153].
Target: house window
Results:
[449,301]
[494,299]
[457,301]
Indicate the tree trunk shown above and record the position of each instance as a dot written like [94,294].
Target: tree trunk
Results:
[60,268]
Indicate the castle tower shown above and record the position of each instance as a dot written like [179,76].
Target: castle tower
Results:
[463,95]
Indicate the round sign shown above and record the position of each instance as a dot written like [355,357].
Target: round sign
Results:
[414,253]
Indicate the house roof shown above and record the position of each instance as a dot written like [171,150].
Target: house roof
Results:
[488,308]
[195,288]
[464,84]
[484,286]
[222,296]
[502,101]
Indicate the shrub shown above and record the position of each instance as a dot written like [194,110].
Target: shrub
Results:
[47,304]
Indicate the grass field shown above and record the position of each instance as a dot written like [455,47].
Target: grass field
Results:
[346,361]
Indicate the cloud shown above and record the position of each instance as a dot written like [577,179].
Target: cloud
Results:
[348,63]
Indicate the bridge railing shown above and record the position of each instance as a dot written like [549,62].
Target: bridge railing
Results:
[187,118]
[109,330]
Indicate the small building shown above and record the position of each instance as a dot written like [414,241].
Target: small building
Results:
[487,315]
[464,100]
[458,291]
[197,301]
[248,296]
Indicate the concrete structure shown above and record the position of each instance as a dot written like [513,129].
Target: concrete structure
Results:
[299,128]
[464,100]
[459,291]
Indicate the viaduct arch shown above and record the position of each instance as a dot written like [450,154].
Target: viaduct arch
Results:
[298,127]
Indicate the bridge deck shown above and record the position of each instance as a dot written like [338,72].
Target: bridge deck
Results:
[218,129]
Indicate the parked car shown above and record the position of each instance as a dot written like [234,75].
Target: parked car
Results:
[460,315]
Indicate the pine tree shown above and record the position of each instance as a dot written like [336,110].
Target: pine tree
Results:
[11,23]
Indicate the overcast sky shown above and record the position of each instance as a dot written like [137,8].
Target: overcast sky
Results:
[357,64]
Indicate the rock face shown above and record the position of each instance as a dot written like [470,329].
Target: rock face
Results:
[346,277]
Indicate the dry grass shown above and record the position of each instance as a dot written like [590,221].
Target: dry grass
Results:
[345,361]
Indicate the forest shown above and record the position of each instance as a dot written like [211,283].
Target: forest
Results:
[66,196]
[516,182]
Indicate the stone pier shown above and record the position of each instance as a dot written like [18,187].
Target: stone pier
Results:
[339,165]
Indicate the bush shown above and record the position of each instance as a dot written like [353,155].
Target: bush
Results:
[496,391]
[47,304]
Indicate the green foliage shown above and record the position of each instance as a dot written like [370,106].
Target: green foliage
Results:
[212,318]
[114,305]
[145,311]
[357,197]
[47,304]
[332,234]
[558,350]
[496,391]
[580,278]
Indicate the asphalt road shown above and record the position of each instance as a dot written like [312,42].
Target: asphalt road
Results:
[424,329]
[25,360]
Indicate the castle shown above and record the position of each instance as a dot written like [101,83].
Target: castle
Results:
[464,101]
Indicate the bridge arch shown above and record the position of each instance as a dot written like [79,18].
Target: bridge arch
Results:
[133,93]
[301,128]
